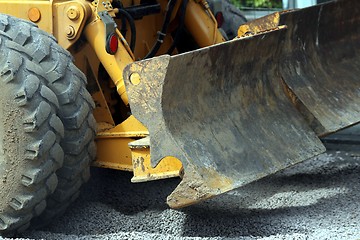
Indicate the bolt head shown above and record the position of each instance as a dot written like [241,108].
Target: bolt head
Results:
[34,14]
[70,32]
[135,78]
[73,13]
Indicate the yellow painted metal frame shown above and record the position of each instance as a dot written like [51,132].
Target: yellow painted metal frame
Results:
[168,167]
[113,144]
[21,9]
[118,146]
[48,14]
[202,24]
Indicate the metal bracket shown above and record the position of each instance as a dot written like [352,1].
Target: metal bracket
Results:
[110,26]
[108,21]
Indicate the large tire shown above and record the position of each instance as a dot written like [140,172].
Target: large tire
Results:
[30,133]
[76,105]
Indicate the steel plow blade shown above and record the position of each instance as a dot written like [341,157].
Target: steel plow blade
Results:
[320,63]
[236,112]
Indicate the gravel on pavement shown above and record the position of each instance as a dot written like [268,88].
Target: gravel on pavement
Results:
[317,199]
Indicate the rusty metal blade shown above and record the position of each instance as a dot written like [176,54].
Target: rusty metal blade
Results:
[230,112]
[320,63]
[222,111]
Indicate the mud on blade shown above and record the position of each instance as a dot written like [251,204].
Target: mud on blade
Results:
[236,112]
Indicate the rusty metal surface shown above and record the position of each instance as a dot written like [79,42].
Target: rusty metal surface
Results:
[236,112]
[229,124]
[321,65]
[259,25]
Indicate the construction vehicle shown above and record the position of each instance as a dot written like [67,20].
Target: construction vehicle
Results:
[157,90]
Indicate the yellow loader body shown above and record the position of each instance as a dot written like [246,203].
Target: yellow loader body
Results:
[226,114]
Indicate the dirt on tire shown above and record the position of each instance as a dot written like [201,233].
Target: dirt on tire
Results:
[75,111]
[30,134]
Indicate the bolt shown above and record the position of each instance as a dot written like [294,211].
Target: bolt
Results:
[73,13]
[34,14]
[135,78]
[70,32]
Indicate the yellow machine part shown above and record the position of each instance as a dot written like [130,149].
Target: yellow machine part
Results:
[117,143]
[39,12]
[113,149]
[143,171]
[120,143]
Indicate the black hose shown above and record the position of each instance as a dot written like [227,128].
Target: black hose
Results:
[180,28]
[131,21]
[162,33]
[123,29]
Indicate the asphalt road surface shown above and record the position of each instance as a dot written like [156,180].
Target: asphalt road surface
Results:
[317,199]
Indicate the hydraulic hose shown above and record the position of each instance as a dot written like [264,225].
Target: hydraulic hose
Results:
[162,33]
[131,22]
[123,29]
